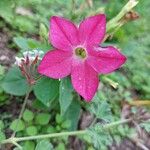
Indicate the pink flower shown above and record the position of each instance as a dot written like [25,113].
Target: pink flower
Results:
[77,52]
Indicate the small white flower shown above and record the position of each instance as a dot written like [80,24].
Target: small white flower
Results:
[25,54]
[18,61]
[41,52]
[29,56]
[38,53]
[31,59]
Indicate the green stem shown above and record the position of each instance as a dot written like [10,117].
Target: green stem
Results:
[111,82]
[113,23]
[81,132]
[16,144]
[116,123]
[22,109]
[52,135]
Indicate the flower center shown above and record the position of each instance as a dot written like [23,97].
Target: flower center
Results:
[80,52]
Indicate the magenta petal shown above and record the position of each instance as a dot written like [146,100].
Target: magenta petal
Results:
[106,60]
[92,30]
[63,33]
[85,80]
[55,64]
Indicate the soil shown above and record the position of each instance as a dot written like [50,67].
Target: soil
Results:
[6,54]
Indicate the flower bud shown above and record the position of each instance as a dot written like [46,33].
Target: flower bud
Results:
[27,64]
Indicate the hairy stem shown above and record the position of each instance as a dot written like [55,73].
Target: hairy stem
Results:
[22,109]
[80,132]
[16,144]
[113,23]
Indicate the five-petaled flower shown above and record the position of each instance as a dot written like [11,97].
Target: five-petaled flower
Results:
[77,52]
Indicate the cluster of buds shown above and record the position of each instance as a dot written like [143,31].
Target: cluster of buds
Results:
[28,64]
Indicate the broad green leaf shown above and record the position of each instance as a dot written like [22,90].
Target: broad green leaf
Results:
[14,83]
[29,44]
[65,94]
[26,43]
[21,42]
[44,144]
[73,114]
[39,105]
[28,115]
[42,118]
[19,124]
[46,90]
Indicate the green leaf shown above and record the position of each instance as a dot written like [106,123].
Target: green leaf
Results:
[59,119]
[42,118]
[46,90]
[73,114]
[50,129]
[29,145]
[21,43]
[2,136]
[146,126]
[66,124]
[24,24]
[29,44]
[65,94]
[61,146]
[6,11]
[44,144]
[1,125]
[39,105]
[19,124]
[28,115]
[32,130]
[14,83]
[100,108]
